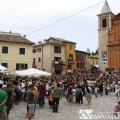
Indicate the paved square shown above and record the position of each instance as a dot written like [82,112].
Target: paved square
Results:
[66,110]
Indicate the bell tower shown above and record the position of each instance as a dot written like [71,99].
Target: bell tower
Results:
[104,26]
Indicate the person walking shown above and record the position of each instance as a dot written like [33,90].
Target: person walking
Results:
[17,93]
[23,90]
[10,93]
[70,94]
[42,93]
[79,95]
[56,95]
[96,91]
[88,94]
[30,98]
[117,92]
[101,89]
[50,98]
[3,99]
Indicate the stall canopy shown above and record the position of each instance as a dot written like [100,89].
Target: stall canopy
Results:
[32,72]
[97,66]
[3,69]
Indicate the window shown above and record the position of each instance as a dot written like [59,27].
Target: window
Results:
[70,47]
[5,65]
[78,64]
[57,49]
[70,58]
[22,51]
[104,23]
[34,51]
[57,58]
[21,66]
[34,60]
[39,50]
[4,49]
[39,59]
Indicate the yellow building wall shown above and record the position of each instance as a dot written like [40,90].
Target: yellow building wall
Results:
[13,56]
[87,62]
[37,55]
[70,51]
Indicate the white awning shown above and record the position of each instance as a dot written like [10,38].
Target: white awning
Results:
[32,72]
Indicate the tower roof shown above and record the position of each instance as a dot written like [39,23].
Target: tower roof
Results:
[106,8]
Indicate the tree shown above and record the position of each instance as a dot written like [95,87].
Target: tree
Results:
[96,52]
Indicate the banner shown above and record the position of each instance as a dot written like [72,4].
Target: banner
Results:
[104,55]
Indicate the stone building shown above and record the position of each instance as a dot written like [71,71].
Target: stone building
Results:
[50,56]
[104,26]
[109,38]
[94,60]
[55,55]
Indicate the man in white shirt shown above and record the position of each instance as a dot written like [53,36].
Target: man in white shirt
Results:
[23,89]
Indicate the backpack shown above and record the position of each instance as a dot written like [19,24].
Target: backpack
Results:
[79,92]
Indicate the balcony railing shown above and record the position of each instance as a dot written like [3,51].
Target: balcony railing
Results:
[59,63]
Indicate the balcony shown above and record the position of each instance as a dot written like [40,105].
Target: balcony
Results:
[70,61]
[58,64]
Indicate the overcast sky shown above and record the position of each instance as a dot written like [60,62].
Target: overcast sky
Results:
[27,16]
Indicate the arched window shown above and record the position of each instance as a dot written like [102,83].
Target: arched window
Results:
[104,23]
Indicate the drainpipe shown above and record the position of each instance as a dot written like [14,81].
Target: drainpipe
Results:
[42,57]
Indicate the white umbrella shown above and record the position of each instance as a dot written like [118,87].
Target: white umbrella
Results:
[32,72]
[3,69]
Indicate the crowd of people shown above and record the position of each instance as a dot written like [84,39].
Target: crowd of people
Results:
[72,86]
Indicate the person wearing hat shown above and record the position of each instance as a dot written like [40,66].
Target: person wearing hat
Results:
[3,99]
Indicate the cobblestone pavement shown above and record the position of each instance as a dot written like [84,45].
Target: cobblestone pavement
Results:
[66,110]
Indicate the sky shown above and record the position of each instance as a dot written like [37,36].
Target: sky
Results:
[28,17]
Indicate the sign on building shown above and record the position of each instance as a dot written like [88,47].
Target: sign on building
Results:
[104,56]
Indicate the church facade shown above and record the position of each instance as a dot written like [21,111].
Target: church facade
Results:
[114,44]
[109,38]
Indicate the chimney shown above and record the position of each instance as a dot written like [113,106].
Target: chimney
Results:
[39,42]
[24,36]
